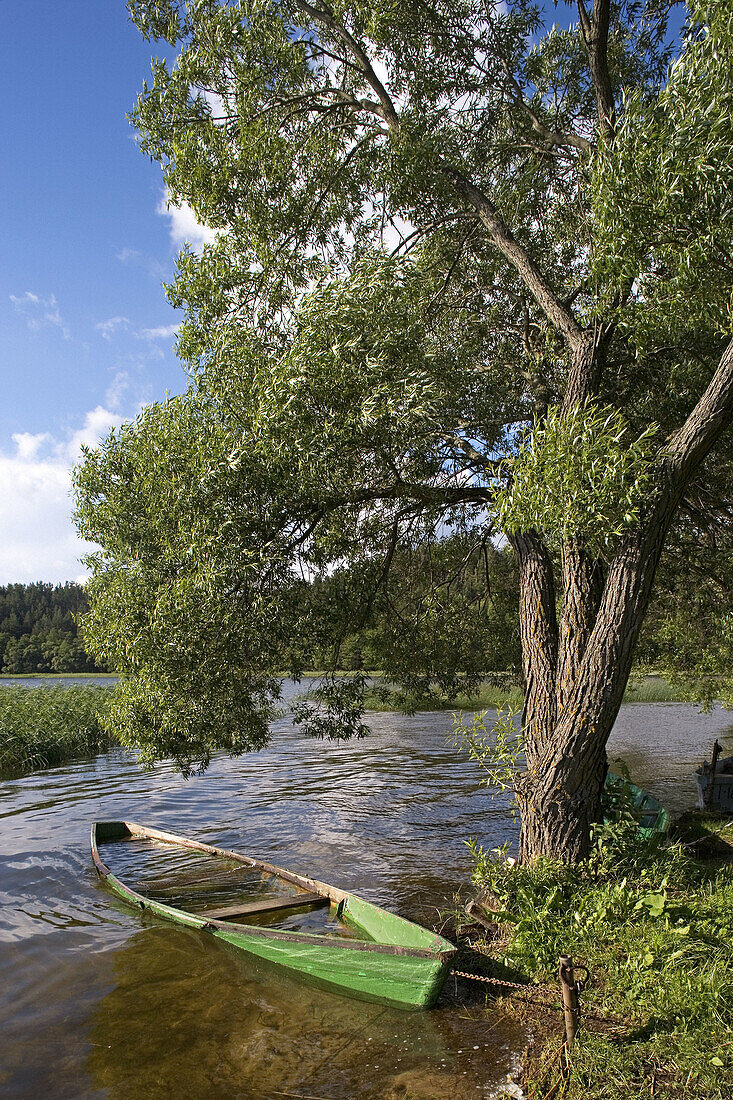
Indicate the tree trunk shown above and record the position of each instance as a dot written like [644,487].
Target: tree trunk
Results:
[566,721]
[576,671]
[560,793]
[560,807]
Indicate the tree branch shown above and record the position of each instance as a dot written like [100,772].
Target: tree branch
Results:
[553,137]
[512,251]
[469,451]
[713,413]
[445,496]
[386,566]
[605,665]
[594,31]
[587,361]
[325,16]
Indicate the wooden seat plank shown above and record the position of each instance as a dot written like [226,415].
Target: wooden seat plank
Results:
[268,905]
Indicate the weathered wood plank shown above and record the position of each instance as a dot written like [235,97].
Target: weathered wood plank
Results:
[142,831]
[268,905]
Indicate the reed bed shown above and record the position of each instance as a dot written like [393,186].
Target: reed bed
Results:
[653,689]
[40,727]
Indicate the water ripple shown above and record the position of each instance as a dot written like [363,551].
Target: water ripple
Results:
[388,817]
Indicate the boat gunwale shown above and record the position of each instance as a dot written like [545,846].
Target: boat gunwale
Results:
[647,805]
[200,921]
[719,784]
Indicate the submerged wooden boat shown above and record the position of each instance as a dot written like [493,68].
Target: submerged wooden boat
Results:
[359,949]
[715,785]
[623,796]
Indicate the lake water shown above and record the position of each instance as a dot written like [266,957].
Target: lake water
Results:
[97,1000]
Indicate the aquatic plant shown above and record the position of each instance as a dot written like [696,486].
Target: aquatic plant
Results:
[40,727]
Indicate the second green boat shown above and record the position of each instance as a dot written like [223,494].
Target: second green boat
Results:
[335,938]
[624,798]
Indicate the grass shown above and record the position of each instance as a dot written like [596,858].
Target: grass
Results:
[490,697]
[501,695]
[652,689]
[653,923]
[46,726]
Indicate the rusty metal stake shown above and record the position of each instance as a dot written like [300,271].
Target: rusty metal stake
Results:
[569,999]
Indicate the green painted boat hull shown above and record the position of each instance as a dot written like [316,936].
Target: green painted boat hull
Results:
[651,816]
[406,965]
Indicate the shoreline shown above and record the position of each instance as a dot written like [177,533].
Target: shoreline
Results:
[56,675]
[650,688]
[643,688]
[654,935]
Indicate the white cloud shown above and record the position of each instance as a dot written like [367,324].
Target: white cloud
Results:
[162,332]
[184,227]
[39,540]
[217,105]
[396,232]
[117,389]
[127,254]
[110,326]
[29,444]
[129,391]
[97,424]
[40,312]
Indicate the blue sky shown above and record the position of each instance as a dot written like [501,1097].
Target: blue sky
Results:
[86,331]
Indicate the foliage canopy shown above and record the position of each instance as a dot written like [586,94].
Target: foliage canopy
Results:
[440,226]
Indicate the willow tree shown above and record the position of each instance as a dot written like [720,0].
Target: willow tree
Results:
[473,275]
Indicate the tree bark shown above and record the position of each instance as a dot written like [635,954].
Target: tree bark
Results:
[583,580]
[595,29]
[576,671]
[538,626]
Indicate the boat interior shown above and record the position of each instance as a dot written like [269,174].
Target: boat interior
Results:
[220,888]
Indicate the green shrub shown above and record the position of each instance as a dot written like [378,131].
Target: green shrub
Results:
[654,926]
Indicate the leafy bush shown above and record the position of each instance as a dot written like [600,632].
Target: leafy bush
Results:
[654,927]
[578,474]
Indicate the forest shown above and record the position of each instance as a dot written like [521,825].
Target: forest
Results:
[39,629]
[41,624]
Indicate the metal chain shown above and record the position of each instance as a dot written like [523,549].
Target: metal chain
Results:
[494,981]
[531,985]
[579,986]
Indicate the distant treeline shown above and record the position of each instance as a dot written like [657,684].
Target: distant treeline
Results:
[446,611]
[38,629]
